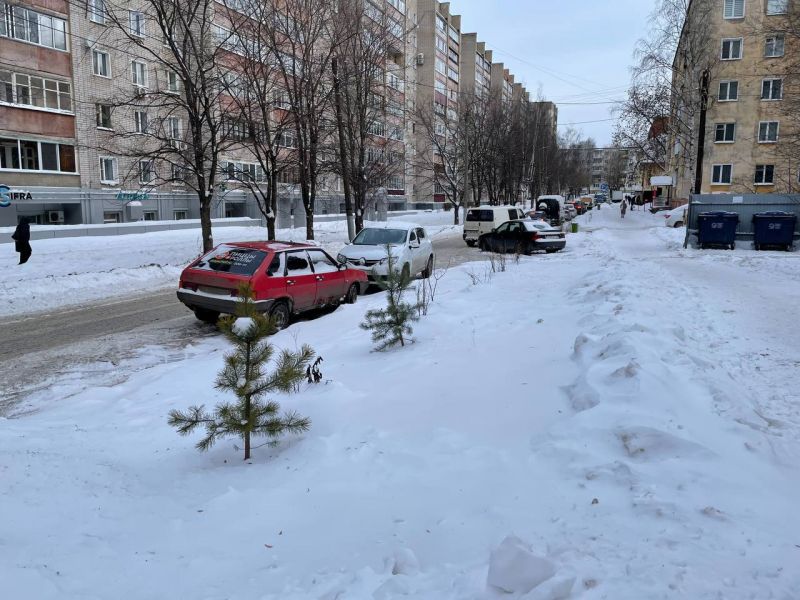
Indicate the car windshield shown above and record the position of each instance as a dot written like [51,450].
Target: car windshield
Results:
[380,237]
[233,260]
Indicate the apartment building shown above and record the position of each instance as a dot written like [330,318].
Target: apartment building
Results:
[743,146]
[39,167]
[475,67]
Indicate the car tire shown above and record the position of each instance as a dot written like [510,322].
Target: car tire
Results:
[484,247]
[352,294]
[280,315]
[550,251]
[206,315]
[471,243]
[426,274]
[678,224]
[405,274]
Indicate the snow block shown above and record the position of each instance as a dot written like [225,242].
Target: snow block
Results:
[557,588]
[515,569]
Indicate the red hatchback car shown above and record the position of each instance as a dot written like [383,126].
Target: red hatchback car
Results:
[287,279]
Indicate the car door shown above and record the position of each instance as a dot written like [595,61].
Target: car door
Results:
[414,249]
[426,246]
[331,281]
[516,238]
[301,281]
[499,239]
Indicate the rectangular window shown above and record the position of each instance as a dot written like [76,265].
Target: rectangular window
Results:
[101,63]
[108,170]
[112,217]
[732,49]
[146,171]
[728,91]
[777,7]
[138,73]
[772,89]
[765,175]
[733,9]
[136,22]
[440,66]
[49,154]
[724,133]
[35,28]
[103,115]
[774,45]
[97,11]
[179,215]
[173,131]
[140,121]
[31,155]
[721,174]
[26,90]
[150,215]
[173,83]
[768,132]
[178,175]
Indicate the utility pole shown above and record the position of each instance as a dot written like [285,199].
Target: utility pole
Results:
[701,138]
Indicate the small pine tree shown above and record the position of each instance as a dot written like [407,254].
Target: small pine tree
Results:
[392,325]
[245,375]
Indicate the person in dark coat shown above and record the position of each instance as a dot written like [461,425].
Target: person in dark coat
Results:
[22,241]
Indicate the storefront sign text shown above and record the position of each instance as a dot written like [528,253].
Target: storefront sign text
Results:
[132,196]
[7,195]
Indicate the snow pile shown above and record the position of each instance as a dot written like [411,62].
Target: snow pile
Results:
[72,271]
[609,405]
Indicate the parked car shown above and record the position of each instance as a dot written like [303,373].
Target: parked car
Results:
[410,245]
[677,216]
[588,201]
[556,208]
[569,211]
[287,279]
[600,199]
[579,206]
[524,237]
[538,215]
[484,219]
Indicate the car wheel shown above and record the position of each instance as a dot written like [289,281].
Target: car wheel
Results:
[678,224]
[484,247]
[405,274]
[207,316]
[280,315]
[470,243]
[352,294]
[551,251]
[426,274]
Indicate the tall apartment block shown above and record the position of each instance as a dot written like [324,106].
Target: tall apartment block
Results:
[748,121]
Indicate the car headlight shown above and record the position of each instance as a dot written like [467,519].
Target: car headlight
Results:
[384,260]
[341,258]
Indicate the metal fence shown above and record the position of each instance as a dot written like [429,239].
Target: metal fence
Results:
[745,205]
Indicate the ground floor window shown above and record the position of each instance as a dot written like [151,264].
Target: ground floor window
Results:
[765,174]
[150,215]
[179,215]
[721,174]
[112,217]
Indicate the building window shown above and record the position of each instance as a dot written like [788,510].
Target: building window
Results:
[725,133]
[441,44]
[30,155]
[765,174]
[768,132]
[30,26]
[150,215]
[177,175]
[777,7]
[139,73]
[728,91]
[35,92]
[101,63]
[721,174]
[103,115]
[440,66]
[732,49]
[97,11]
[733,9]
[774,45]
[146,171]
[174,133]
[772,89]
[108,170]
[136,22]
[179,215]
[173,83]
[112,217]
[140,121]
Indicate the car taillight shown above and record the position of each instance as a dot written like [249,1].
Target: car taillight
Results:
[534,237]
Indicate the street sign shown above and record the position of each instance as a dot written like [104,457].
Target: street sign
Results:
[604,187]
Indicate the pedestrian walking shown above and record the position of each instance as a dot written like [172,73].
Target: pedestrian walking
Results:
[623,208]
[22,240]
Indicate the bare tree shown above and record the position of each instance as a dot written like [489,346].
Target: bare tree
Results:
[175,108]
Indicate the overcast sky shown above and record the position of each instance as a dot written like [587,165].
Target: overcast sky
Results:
[576,51]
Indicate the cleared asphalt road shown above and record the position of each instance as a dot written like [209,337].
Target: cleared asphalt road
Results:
[24,335]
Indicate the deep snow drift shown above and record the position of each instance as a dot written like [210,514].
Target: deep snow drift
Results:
[616,421]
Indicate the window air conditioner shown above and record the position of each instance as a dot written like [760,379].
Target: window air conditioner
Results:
[55,216]
[420,59]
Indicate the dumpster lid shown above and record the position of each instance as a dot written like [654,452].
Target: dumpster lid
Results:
[719,213]
[774,213]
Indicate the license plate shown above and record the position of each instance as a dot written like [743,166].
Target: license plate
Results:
[207,289]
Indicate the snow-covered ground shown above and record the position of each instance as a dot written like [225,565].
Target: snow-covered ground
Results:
[72,271]
[627,409]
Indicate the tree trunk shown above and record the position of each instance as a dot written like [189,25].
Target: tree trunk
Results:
[273,203]
[205,222]
[348,200]
[309,208]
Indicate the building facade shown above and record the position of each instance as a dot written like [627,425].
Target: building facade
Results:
[750,117]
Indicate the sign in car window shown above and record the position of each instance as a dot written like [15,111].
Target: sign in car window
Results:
[229,259]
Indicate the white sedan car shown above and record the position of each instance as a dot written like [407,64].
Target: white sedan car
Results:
[677,216]
[409,244]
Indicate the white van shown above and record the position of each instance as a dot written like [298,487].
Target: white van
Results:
[484,219]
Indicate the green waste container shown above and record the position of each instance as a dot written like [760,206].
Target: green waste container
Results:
[574,228]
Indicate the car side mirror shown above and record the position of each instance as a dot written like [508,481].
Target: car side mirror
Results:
[342,266]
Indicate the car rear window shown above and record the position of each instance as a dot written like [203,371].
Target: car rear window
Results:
[480,215]
[233,260]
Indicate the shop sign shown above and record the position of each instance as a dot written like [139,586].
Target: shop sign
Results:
[7,195]
[132,196]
